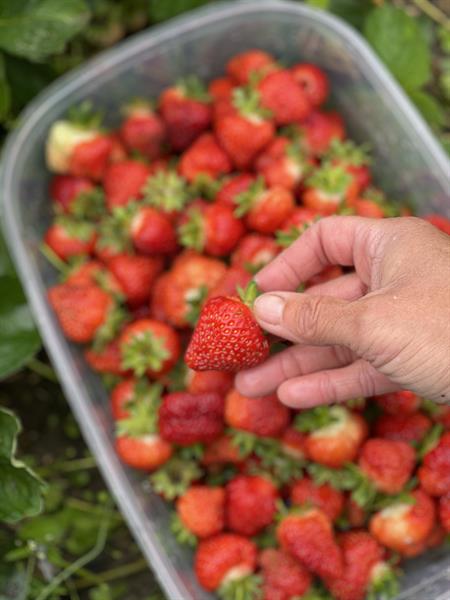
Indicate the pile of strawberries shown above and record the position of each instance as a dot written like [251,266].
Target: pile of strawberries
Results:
[170,215]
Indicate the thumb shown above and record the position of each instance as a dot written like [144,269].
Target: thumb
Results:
[317,320]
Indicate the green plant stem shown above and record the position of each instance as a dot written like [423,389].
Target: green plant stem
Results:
[42,369]
[433,12]
[92,508]
[68,466]
[29,573]
[117,573]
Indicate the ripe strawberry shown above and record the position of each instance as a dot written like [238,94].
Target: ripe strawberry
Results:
[186,418]
[296,224]
[356,514]
[152,232]
[142,130]
[328,188]
[293,443]
[441,414]
[204,157]
[147,452]
[136,275]
[305,492]
[364,207]
[335,434]
[403,402]
[223,559]
[353,158]
[320,129]
[64,189]
[81,310]
[232,187]
[212,228]
[242,66]
[106,360]
[308,537]
[281,94]
[284,578]
[289,170]
[440,222]
[254,251]
[265,209]
[123,182]
[403,526]
[221,89]
[186,112]
[250,504]
[199,382]
[202,510]
[92,272]
[68,237]
[313,82]
[403,428]
[234,279]
[434,474]
[444,511]
[264,416]
[275,150]
[149,346]
[227,337]
[221,451]
[244,130]
[122,395]
[387,463]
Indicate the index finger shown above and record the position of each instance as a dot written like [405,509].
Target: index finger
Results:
[330,241]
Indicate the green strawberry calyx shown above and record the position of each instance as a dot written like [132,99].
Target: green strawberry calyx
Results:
[239,584]
[248,198]
[116,317]
[349,153]
[247,100]
[383,582]
[193,88]
[175,477]
[144,351]
[143,411]
[115,228]
[181,532]
[89,205]
[192,233]
[84,116]
[330,179]
[166,190]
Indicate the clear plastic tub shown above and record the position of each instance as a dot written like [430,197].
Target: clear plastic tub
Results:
[409,163]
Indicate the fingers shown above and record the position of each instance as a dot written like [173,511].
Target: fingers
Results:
[336,385]
[347,287]
[295,361]
[330,241]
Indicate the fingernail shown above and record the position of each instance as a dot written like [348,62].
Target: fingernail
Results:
[269,308]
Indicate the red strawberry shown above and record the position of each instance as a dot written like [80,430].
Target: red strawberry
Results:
[308,536]
[329,500]
[364,207]
[355,160]
[227,337]
[221,89]
[328,188]
[204,157]
[250,504]
[143,130]
[122,395]
[403,428]
[64,189]
[221,451]
[149,346]
[284,578]
[223,558]
[242,66]
[444,511]
[202,510]
[434,474]
[92,272]
[440,222]
[152,232]
[81,310]
[355,514]
[313,81]
[123,182]
[146,453]
[186,418]
[254,251]
[67,238]
[264,416]
[335,434]
[403,402]
[265,209]
[186,112]
[387,463]
[136,275]
[90,159]
[212,228]
[299,220]
[320,129]
[293,443]
[233,187]
[286,100]
[403,526]
[441,414]
[273,151]
[209,381]
[289,170]
[234,278]
[106,360]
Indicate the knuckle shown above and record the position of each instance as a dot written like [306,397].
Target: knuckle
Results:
[326,389]
[305,317]
[366,380]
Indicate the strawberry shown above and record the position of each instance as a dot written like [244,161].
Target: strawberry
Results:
[93,272]
[142,130]
[152,232]
[250,504]
[147,452]
[166,191]
[68,237]
[64,189]
[296,224]
[403,428]
[235,278]
[212,228]
[320,129]
[227,337]
[308,537]
[440,222]
[149,346]
[288,170]
[353,158]
[204,157]
[328,188]
[405,523]
[264,416]
[312,81]
[202,510]
[265,209]
[254,251]
[106,360]
[364,207]
[221,451]
[387,463]
[403,402]
[81,310]
[121,396]
[123,182]
[329,500]
[209,381]
[242,66]
[444,511]
[136,275]
[293,443]
[275,150]
[284,578]
[224,559]
[335,434]
[221,88]
[281,94]
[245,129]
[434,474]
[186,112]
[232,187]
[356,514]
[186,418]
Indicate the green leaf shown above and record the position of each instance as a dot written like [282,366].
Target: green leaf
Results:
[429,106]
[20,489]
[35,29]
[26,80]
[5,91]
[161,10]
[401,45]
[19,338]
[353,11]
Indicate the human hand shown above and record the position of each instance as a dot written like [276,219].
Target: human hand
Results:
[383,328]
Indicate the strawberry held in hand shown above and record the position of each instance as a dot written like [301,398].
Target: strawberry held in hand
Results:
[227,336]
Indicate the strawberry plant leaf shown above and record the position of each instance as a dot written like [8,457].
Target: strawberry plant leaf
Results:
[353,11]
[36,29]
[5,91]
[429,106]
[161,11]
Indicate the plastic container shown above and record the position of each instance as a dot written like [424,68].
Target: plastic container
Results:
[408,164]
